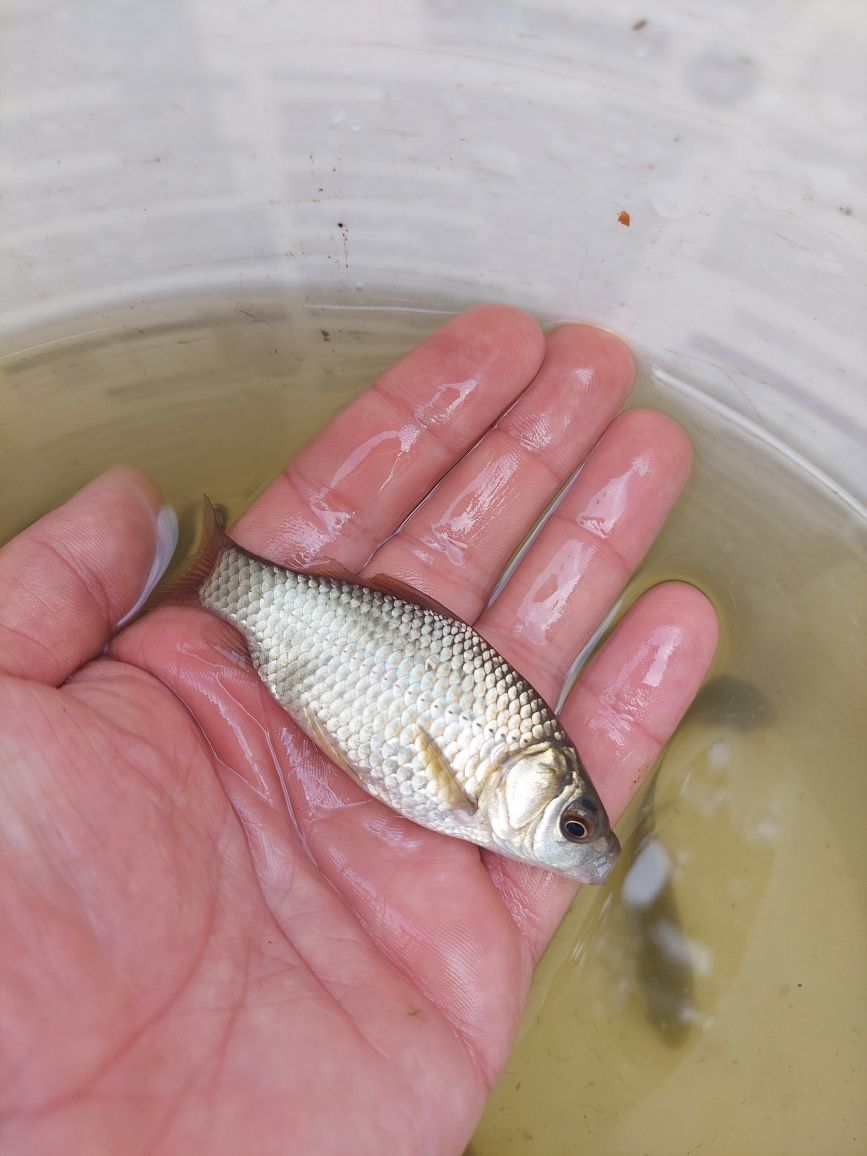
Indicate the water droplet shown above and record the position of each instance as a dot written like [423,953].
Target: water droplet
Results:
[722,76]
[827,185]
[673,200]
[839,111]
[828,265]
[559,148]
[337,115]
[498,159]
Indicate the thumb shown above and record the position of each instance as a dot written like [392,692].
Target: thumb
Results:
[71,578]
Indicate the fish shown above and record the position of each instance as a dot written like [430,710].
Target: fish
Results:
[412,703]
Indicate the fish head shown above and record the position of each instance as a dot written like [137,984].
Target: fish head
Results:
[544,809]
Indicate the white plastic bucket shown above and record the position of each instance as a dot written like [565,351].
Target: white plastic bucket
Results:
[430,152]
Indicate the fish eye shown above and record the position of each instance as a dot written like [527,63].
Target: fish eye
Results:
[578,822]
[574,829]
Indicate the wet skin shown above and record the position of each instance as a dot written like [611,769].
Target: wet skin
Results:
[214,940]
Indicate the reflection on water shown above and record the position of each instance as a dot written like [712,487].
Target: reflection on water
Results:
[665,957]
[662,952]
[733,702]
[712,996]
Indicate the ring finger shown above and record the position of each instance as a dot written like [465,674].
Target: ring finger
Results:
[456,544]
[589,548]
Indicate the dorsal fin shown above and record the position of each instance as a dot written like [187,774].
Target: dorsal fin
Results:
[383,583]
[328,568]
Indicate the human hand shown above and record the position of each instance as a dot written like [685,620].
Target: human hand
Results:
[213,939]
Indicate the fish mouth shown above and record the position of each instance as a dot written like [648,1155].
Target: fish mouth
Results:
[598,869]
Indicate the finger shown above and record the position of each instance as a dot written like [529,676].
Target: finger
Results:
[634,692]
[620,714]
[588,549]
[352,486]
[458,542]
[69,580]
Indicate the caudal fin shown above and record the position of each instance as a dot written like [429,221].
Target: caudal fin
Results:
[184,591]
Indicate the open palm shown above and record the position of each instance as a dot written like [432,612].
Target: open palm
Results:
[213,940]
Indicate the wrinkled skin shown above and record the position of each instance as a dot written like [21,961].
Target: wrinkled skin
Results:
[213,940]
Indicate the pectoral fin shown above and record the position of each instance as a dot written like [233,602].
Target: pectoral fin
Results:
[442,774]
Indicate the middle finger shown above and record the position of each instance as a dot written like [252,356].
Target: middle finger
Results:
[456,544]
[589,548]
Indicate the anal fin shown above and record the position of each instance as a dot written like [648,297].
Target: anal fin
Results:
[328,748]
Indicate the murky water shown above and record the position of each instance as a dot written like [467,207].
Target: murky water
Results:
[713,997]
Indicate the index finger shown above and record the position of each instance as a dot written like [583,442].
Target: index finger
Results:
[356,482]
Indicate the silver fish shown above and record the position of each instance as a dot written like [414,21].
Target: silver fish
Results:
[414,705]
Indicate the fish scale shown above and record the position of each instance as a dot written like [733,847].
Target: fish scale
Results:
[414,704]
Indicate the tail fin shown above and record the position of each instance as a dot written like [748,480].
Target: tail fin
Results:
[184,591]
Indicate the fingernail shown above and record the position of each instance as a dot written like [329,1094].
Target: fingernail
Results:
[166,532]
